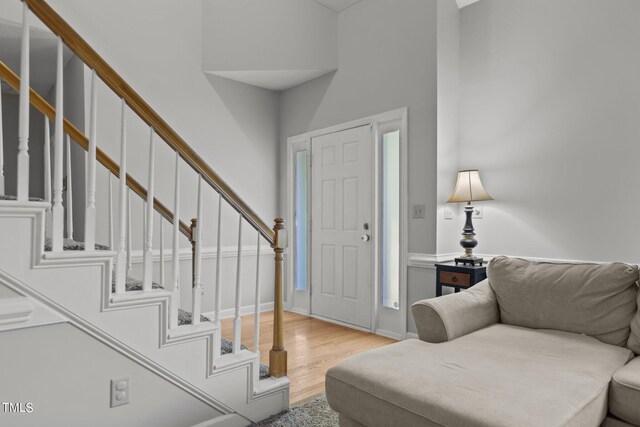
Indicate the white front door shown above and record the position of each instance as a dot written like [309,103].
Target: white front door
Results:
[342,247]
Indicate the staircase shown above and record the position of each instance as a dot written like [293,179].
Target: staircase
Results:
[91,285]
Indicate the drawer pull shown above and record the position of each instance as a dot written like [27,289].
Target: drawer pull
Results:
[457,279]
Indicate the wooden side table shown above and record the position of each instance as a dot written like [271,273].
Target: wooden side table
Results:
[458,276]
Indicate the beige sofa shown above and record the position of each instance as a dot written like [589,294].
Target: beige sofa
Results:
[537,344]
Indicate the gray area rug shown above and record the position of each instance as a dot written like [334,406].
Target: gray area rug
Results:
[315,413]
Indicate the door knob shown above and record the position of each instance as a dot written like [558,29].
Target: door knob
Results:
[365,237]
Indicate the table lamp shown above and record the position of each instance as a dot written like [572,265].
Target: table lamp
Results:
[468,189]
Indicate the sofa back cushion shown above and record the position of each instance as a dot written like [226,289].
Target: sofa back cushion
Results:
[634,338]
[592,299]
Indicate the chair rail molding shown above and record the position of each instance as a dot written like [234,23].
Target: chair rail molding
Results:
[421,260]
[208,252]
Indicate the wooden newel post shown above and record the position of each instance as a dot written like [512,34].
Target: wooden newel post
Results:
[278,355]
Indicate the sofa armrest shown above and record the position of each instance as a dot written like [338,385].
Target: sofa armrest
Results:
[452,316]
[624,392]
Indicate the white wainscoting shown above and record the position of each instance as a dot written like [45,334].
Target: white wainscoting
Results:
[210,252]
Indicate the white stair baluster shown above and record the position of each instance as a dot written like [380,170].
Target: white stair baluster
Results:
[90,214]
[23,126]
[144,234]
[237,321]
[198,288]
[148,241]
[256,318]
[121,258]
[110,208]
[57,210]
[47,160]
[175,252]
[47,175]
[2,189]
[218,303]
[69,209]
[160,223]
[129,263]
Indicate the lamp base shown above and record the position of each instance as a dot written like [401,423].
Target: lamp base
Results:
[472,261]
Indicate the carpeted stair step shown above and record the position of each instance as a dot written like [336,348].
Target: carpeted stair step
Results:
[31,199]
[185,317]
[72,245]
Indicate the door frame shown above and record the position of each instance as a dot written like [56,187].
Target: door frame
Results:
[300,301]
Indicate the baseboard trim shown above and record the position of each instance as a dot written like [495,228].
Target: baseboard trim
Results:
[230,420]
[228,313]
[388,334]
[300,311]
[412,336]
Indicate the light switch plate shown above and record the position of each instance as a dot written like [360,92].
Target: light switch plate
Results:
[120,392]
[448,211]
[478,211]
[418,211]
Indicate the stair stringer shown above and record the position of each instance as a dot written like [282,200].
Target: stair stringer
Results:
[113,315]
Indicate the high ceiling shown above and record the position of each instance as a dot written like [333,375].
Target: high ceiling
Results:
[463,3]
[338,5]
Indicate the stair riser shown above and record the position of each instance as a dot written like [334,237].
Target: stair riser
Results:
[82,286]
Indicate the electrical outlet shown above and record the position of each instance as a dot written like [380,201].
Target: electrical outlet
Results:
[120,392]
[478,211]
[448,211]
[418,211]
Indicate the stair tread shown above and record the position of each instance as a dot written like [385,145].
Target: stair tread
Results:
[72,245]
[133,284]
[31,199]
[185,317]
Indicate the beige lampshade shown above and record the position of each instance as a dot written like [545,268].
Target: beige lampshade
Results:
[469,188]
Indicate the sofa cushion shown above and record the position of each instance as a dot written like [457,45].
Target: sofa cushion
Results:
[593,299]
[624,392]
[634,338]
[611,421]
[501,375]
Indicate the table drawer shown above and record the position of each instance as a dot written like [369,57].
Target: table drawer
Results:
[456,279]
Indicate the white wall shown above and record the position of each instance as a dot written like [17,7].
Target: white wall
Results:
[448,120]
[156,46]
[387,60]
[549,114]
[55,368]
[269,35]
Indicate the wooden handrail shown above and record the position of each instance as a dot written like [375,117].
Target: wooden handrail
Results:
[80,138]
[121,88]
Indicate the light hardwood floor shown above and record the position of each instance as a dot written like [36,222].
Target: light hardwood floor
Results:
[313,347]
